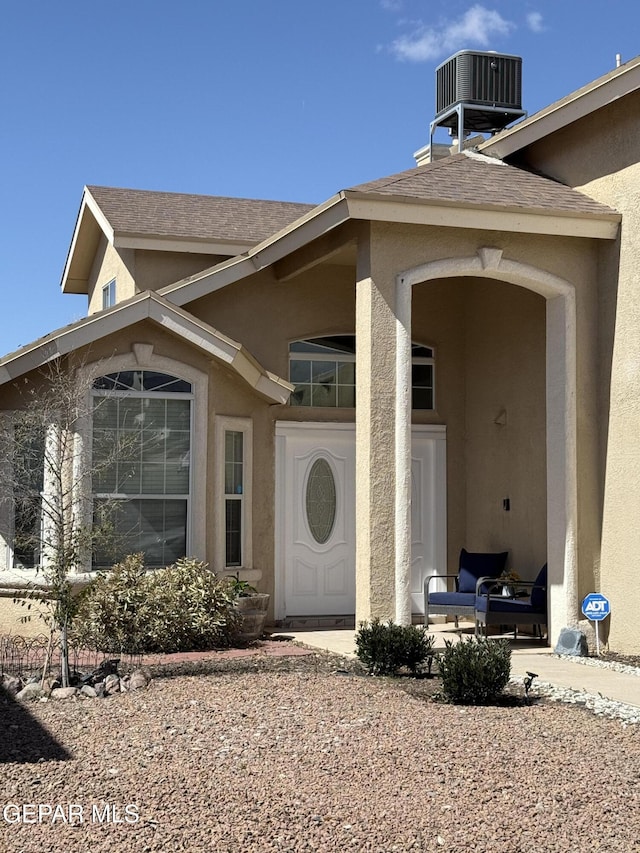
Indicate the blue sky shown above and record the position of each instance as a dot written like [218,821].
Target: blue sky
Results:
[289,99]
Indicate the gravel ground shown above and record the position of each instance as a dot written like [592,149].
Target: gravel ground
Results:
[303,754]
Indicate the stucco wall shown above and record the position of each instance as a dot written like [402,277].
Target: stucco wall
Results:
[489,339]
[136,270]
[108,264]
[600,155]
[402,248]
[490,355]
[159,269]
[24,617]
[505,430]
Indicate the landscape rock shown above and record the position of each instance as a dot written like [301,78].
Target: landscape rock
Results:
[12,684]
[64,692]
[50,683]
[88,691]
[111,684]
[571,642]
[139,678]
[30,691]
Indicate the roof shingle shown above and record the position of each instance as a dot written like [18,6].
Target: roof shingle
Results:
[195,217]
[478,180]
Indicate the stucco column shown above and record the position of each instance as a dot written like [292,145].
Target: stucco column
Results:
[562,497]
[382,481]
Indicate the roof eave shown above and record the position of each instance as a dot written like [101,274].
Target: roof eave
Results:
[89,223]
[411,211]
[147,306]
[312,225]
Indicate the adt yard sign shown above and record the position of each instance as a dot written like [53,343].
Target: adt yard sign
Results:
[596,607]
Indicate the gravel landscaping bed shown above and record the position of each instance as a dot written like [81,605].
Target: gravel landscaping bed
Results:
[306,754]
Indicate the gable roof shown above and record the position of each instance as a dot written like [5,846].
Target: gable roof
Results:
[178,222]
[595,95]
[193,217]
[466,190]
[479,181]
[146,306]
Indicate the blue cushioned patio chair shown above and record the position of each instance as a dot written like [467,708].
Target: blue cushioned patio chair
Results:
[474,569]
[493,608]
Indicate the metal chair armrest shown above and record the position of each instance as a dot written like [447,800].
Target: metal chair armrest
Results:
[493,583]
[428,580]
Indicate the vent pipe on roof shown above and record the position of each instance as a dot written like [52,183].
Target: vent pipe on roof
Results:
[618,60]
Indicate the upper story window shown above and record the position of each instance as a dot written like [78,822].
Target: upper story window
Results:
[109,294]
[323,371]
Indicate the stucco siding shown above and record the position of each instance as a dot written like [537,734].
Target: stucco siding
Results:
[111,263]
[159,269]
[600,156]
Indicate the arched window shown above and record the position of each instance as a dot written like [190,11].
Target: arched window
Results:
[323,371]
[141,464]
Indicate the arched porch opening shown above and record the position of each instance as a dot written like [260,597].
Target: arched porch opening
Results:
[559,354]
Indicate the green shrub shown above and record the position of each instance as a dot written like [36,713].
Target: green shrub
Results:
[113,611]
[474,672]
[384,648]
[131,610]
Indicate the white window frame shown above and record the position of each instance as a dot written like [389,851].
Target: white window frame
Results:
[224,424]
[109,294]
[156,395]
[143,357]
[351,359]
[432,362]
[346,358]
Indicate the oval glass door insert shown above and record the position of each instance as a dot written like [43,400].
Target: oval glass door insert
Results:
[321,501]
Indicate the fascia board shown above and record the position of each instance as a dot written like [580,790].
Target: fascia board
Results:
[317,222]
[276,389]
[176,244]
[485,218]
[73,337]
[88,210]
[65,283]
[564,112]
[269,386]
[217,277]
[149,306]
[99,216]
[314,224]
[209,340]
[206,339]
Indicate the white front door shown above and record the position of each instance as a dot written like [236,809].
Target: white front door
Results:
[316,502]
[315,516]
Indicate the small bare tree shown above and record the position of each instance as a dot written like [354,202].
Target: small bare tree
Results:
[46,477]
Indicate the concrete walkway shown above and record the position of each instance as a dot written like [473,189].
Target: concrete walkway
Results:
[526,656]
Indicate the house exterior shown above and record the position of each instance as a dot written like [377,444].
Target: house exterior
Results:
[350,393]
